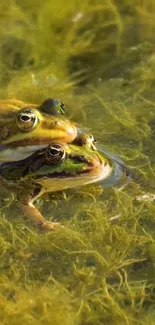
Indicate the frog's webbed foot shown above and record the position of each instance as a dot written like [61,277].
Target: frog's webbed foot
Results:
[30,212]
[49,226]
[35,217]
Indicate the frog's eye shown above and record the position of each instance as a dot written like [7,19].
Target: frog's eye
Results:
[52,107]
[84,139]
[55,152]
[27,119]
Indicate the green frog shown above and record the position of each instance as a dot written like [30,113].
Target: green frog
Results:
[57,167]
[26,128]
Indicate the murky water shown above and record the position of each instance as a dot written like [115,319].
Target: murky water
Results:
[98,58]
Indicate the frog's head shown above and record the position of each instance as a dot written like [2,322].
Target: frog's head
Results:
[25,128]
[61,166]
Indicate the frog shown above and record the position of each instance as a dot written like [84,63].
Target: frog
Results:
[57,167]
[26,128]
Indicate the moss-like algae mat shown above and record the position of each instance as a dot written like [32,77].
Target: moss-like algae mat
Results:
[99,58]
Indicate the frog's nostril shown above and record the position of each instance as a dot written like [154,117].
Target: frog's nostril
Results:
[56,123]
[81,159]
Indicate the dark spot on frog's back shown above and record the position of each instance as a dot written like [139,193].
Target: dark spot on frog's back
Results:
[50,107]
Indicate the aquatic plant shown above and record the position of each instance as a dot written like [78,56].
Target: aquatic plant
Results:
[98,57]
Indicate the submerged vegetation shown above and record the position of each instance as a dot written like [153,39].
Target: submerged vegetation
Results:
[98,57]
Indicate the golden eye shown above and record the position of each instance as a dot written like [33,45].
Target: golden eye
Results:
[27,119]
[55,152]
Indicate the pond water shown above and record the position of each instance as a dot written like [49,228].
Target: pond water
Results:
[98,57]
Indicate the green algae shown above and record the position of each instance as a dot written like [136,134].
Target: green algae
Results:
[98,57]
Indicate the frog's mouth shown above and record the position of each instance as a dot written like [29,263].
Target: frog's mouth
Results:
[93,171]
[107,172]
[103,173]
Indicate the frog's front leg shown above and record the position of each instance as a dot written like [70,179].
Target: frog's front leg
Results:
[31,213]
[26,195]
